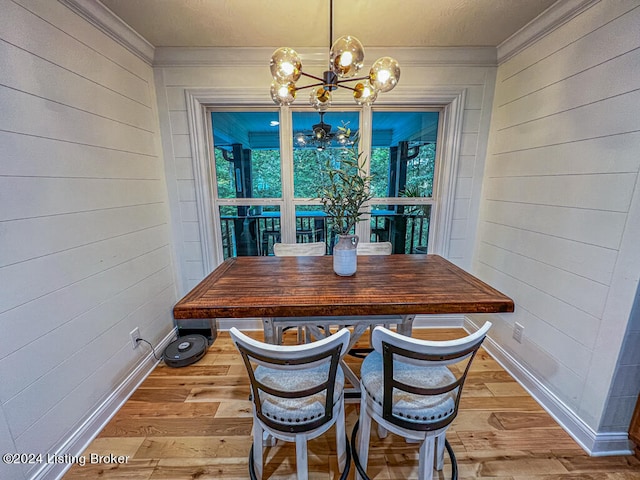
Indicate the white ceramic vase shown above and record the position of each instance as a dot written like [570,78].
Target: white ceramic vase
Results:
[345,258]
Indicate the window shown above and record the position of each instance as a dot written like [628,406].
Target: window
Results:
[267,164]
[403,166]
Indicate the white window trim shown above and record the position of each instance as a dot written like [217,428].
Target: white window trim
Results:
[198,100]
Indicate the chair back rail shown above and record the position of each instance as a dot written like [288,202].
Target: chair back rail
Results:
[374,248]
[293,358]
[425,353]
[315,249]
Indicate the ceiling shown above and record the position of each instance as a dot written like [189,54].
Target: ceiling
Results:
[299,24]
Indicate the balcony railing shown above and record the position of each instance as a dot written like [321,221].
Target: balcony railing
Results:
[255,235]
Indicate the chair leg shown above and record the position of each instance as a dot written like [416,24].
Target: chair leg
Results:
[341,439]
[364,434]
[301,457]
[270,330]
[425,463]
[257,448]
[439,460]
[382,432]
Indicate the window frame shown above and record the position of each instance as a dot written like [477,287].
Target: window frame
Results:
[363,229]
[200,103]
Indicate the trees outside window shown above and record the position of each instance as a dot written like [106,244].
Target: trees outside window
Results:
[266,179]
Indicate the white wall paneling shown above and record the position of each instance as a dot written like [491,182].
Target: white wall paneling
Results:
[8,445]
[110,404]
[559,213]
[96,58]
[85,251]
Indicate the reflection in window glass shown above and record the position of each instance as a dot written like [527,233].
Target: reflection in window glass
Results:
[247,154]
[405,226]
[249,229]
[317,138]
[403,153]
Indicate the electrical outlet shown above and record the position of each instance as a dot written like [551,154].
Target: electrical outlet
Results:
[135,335]
[517,332]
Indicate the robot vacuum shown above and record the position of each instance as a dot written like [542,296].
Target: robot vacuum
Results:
[185,350]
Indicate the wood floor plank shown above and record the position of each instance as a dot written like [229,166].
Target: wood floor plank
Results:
[524,420]
[225,359]
[489,376]
[195,423]
[214,471]
[116,446]
[539,440]
[520,466]
[194,447]
[582,464]
[233,409]
[219,394]
[583,476]
[132,470]
[196,370]
[137,409]
[377,468]
[525,404]
[196,381]
[175,427]
[506,389]
[160,395]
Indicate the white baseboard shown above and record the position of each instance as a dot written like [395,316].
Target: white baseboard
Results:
[595,444]
[78,441]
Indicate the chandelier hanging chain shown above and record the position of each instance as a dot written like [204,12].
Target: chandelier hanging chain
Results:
[346,58]
[330,27]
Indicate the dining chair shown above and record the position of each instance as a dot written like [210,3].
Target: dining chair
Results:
[412,388]
[374,248]
[315,249]
[297,393]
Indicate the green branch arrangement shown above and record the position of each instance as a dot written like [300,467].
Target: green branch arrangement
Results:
[346,187]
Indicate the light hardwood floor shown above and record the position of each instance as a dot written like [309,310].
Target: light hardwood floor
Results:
[195,423]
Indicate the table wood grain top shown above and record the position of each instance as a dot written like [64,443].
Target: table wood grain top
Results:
[307,286]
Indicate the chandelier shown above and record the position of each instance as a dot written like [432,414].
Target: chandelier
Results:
[346,58]
[322,137]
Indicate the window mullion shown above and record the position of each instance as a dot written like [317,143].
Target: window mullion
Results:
[288,214]
[363,229]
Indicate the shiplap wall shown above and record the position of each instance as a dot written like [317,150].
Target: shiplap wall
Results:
[233,72]
[84,223]
[559,221]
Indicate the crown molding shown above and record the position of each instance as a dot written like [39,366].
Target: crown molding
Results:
[553,17]
[113,26]
[109,23]
[318,57]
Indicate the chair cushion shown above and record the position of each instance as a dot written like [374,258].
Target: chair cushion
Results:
[296,410]
[411,407]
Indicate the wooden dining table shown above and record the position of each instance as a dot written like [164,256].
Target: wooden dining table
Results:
[250,287]
[292,291]
[305,291]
